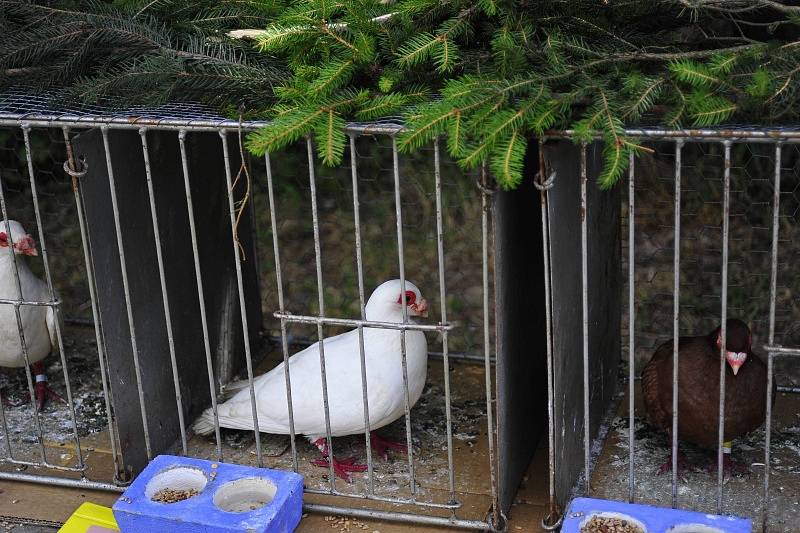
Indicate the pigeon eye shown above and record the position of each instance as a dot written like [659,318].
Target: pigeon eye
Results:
[410,298]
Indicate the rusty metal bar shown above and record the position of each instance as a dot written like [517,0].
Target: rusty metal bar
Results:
[676,319]
[726,208]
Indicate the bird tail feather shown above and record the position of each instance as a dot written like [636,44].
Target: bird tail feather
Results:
[232,388]
[204,425]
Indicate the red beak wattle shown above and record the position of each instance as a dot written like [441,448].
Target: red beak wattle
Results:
[421,307]
[27,246]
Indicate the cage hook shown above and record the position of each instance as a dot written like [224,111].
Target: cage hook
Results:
[545,525]
[83,167]
[544,185]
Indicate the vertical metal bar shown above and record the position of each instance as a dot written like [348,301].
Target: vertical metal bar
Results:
[361,301]
[726,208]
[401,264]
[487,347]
[773,287]
[87,258]
[443,303]
[164,295]
[273,214]
[242,303]
[200,293]
[631,329]
[21,331]
[585,307]
[676,305]
[321,300]
[7,229]
[254,234]
[548,311]
[126,290]
[56,309]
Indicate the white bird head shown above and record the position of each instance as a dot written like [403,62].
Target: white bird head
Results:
[22,242]
[385,304]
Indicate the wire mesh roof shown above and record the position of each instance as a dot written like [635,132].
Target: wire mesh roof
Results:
[53,108]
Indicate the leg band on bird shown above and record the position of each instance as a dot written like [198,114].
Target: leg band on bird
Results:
[726,446]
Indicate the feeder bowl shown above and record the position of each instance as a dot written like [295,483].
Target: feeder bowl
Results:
[651,519]
[186,495]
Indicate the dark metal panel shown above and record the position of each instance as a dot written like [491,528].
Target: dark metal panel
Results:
[520,325]
[214,233]
[604,285]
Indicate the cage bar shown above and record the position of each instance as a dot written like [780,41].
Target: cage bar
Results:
[443,319]
[676,319]
[71,167]
[585,324]
[362,309]
[321,301]
[126,289]
[404,303]
[631,329]
[223,134]
[164,295]
[200,293]
[273,215]
[726,208]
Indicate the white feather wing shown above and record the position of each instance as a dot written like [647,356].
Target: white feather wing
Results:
[343,376]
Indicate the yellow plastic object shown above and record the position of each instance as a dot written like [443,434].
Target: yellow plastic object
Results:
[90,518]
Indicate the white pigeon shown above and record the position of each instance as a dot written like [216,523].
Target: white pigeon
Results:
[386,392]
[38,322]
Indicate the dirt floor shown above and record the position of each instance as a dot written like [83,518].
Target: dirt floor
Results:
[742,495]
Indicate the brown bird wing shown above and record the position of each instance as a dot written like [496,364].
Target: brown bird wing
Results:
[658,405]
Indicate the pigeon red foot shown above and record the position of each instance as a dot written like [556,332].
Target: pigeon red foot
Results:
[684,465]
[382,446]
[342,467]
[730,467]
[41,390]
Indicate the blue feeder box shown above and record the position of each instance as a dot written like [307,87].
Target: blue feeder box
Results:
[226,498]
[651,519]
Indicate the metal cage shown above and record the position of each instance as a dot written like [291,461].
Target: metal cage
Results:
[554,276]
[135,224]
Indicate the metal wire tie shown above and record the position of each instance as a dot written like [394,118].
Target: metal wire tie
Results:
[546,184]
[76,173]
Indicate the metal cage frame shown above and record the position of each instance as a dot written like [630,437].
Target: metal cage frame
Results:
[143,123]
[182,127]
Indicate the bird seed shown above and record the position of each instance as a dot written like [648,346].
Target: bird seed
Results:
[605,524]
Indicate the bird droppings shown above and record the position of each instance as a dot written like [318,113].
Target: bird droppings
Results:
[56,419]
[605,524]
[174,496]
